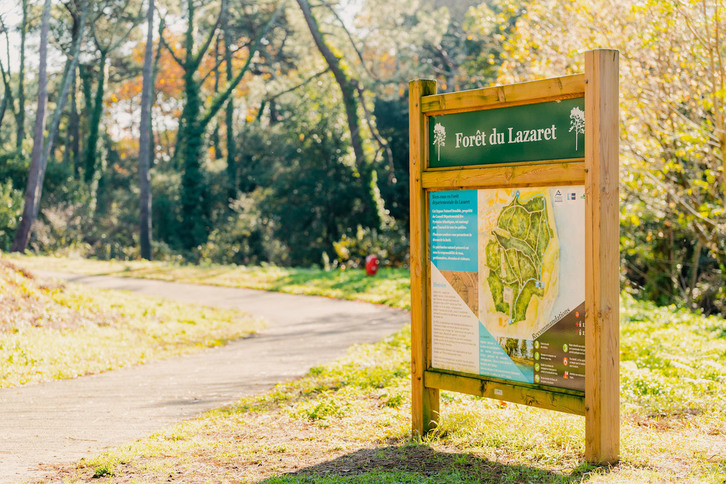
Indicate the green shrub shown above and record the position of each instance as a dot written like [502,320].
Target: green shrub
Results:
[11,207]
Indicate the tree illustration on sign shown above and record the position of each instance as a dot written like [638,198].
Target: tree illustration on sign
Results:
[577,122]
[439,138]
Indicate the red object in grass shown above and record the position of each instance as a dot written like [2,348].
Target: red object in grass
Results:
[372,265]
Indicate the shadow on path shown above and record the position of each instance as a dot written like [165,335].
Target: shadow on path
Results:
[420,463]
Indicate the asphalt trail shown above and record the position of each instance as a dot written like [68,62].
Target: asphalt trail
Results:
[59,422]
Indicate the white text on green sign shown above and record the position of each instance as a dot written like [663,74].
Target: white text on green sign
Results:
[534,132]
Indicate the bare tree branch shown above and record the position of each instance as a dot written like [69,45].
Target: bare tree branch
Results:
[221,61]
[169,48]
[296,87]
[383,145]
[350,38]
[219,100]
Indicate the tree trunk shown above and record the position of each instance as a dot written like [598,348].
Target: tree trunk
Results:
[8,90]
[145,144]
[191,138]
[70,71]
[74,129]
[229,110]
[192,126]
[372,202]
[63,96]
[21,81]
[72,145]
[193,200]
[214,141]
[3,107]
[95,122]
[84,73]
[694,273]
[32,191]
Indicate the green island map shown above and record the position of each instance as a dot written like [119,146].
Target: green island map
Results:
[515,255]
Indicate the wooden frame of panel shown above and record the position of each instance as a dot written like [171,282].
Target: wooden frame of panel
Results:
[598,172]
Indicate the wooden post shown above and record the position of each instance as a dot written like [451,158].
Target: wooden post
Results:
[602,382]
[424,401]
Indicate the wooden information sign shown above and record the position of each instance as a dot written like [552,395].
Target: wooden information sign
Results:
[514,247]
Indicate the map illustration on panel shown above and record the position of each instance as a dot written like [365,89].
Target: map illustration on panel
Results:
[515,255]
[520,269]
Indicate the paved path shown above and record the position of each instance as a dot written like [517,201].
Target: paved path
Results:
[63,421]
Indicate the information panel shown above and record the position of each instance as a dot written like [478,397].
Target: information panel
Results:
[508,283]
[514,247]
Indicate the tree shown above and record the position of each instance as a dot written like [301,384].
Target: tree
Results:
[71,154]
[41,154]
[7,93]
[456,42]
[523,348]
[37,170]
[229,109]
[195,120]
[373,209]
[8,96]
[68,74]
[307,195]
[439,138]
[145,139]
[114,17]
[510,346]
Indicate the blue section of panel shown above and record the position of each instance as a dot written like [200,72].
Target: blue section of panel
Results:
[493,360]
[454,230]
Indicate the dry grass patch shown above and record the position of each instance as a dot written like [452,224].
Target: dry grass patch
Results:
[26,302]
[52,331]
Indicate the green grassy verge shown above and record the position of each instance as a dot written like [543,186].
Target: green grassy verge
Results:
[390,286]
[53,331]
[349,422]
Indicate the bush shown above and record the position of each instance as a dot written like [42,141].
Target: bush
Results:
[11,207]
[244,237]
[390,244]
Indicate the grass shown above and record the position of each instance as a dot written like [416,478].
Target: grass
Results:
[348,422]
[390,286]
[51,331]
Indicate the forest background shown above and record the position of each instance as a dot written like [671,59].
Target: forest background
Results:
[276,131]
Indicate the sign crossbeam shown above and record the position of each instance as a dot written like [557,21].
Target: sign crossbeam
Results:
[500,96]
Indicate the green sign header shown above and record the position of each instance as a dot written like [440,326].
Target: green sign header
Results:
[534,132]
